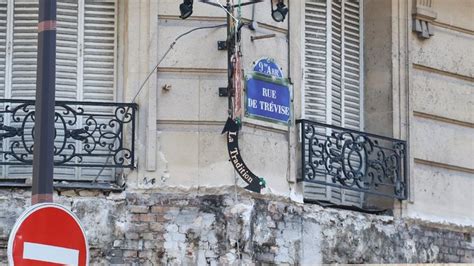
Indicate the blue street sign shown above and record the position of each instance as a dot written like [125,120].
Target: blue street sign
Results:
[267,98]
[268,67]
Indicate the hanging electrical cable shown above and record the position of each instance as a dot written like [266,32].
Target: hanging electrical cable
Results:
[149,76]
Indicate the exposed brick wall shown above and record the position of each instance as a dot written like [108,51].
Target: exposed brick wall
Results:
[453,246]
[216,227]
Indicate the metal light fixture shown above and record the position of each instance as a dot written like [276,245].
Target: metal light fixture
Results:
[280,12]
[186,9]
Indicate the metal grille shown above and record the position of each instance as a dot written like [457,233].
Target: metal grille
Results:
[354,160]
[103,139]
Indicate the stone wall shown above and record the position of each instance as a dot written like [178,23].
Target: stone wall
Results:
[441,118]
[225,226]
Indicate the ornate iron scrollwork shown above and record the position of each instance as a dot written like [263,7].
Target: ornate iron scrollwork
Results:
[87,134]
[353,160]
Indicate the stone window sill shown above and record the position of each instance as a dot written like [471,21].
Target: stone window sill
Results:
[62,185]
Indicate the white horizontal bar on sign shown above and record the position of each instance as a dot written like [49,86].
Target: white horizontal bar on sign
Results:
[52,254]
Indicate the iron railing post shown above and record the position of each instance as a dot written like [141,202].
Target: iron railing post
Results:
[303,151]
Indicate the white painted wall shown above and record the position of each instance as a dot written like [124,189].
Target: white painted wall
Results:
[426,87]
[189,115]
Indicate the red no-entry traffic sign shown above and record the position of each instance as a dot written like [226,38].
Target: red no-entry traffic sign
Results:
[48,234]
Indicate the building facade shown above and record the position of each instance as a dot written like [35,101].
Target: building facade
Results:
[381,90]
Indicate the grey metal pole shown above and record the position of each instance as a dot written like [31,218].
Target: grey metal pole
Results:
[43,153]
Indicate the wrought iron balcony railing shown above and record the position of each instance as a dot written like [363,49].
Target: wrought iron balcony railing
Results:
[353,160]
[87,134]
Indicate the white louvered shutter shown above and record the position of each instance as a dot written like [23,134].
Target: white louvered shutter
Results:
[3,55]
[352,68]
[24,62]
[3,45]
[99,50]
[315,61]
[333,96]
[315,93]
[99,67]
[336,72]
[67,50]
[67,41]
[346,78]
[25,35]
[23,73]
[85,61]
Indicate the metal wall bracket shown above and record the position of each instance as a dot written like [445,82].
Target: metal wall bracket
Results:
[223,92]
[221,45]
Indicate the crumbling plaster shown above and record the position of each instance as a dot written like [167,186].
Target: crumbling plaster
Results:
[230,226]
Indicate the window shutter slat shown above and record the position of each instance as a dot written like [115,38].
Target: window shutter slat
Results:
[350,85]
[99,52]
[3,45]
[3,55]
[99,71]
[337,61]
[67,43]
[315,60]
[315,76]
[25,35]
[337,37]
[23,72]
[66,50]
[352,67]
